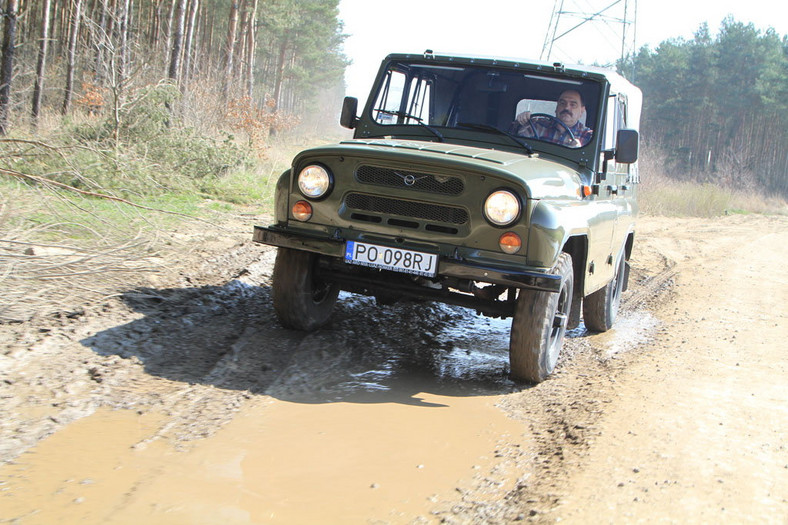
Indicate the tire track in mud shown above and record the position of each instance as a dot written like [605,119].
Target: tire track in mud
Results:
[649,287]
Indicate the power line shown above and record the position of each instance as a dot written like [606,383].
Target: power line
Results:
[601,20]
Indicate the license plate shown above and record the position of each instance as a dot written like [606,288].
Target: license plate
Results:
[394,259]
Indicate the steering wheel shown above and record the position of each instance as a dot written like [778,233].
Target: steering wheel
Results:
[552,118]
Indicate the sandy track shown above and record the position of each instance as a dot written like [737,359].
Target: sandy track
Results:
[184,401]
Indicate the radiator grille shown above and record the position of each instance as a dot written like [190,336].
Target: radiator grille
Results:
[403,208]
[410,180]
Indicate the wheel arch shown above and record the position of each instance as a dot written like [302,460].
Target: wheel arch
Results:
[577,248]
[629,245]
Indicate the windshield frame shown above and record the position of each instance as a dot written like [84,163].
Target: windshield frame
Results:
[427,125]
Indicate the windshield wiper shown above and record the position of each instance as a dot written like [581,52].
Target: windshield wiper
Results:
[487,127]
[418,120]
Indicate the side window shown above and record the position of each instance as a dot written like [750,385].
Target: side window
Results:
[389,99]
[615,120]
[391,108]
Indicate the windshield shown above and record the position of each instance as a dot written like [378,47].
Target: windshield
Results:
[527,106]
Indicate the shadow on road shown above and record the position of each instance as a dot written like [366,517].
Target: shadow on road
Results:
[228,337]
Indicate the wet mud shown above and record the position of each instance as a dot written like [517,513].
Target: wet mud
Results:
[184,401]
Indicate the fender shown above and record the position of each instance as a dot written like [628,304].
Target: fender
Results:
[280,198]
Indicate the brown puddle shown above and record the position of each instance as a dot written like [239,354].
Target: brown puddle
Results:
[276,462]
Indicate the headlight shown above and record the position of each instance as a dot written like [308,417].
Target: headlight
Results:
[314,181]
[502,208]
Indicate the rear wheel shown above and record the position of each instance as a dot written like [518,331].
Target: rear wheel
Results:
[301,300]
[600,308]
[539,325]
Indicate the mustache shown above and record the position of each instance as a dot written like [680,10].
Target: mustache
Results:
[565,112]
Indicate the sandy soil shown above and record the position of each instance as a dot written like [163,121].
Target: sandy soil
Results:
[181,400]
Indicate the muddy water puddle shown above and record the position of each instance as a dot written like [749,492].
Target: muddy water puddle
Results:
[276,462]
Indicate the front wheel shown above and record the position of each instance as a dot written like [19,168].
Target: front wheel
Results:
[302,301]
[539,325]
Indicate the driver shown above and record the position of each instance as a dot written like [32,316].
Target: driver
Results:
[568,110]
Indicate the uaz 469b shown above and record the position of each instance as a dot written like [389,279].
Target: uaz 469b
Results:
[503,186]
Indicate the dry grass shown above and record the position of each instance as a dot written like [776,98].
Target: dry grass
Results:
[41,270]
[661,194]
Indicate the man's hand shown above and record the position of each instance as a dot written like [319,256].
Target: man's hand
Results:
[523,118]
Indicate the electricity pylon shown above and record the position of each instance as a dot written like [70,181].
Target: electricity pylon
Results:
[617,18]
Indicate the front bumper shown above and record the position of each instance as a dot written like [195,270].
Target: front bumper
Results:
[455,267]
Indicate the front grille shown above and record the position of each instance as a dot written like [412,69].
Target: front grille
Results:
[403,208]
[410,180]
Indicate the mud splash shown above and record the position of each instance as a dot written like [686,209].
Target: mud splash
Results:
[631,329]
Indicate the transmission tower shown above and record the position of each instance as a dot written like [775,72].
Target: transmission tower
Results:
[615,22]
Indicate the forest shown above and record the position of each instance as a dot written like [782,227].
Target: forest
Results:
[717,106]
[273,58]
[218,78]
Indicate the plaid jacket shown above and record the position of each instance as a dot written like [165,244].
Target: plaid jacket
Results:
[549,131]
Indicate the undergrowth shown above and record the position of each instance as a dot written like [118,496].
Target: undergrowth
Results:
[92,203]
[106,175]
[661,193]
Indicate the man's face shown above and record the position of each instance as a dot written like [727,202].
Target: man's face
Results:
[570,108]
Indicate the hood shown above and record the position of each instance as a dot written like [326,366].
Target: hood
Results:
[541,177]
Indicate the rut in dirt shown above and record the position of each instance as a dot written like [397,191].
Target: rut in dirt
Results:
[227,336]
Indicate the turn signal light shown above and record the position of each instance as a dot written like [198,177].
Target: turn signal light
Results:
[510,242]
[302,211]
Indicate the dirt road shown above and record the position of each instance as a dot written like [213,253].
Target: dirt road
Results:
[181,400]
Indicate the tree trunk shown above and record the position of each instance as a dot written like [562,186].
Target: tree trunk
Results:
[194,6]
[60,26]
[123,62]
[101,39]
[42,60]
[231,36]
[251,48]
[170,29]
[280,72]
[211,62]
[177,40]
[72,51]
[7,64]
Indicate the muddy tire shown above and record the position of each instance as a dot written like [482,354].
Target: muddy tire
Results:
[301,301]
[539,325]
[600,308]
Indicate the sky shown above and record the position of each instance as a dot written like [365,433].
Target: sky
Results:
[517,28]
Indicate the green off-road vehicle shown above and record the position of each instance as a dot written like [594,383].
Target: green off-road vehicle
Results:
[466,182]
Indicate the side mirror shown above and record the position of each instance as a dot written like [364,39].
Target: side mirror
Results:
[627,142]
[348,117]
